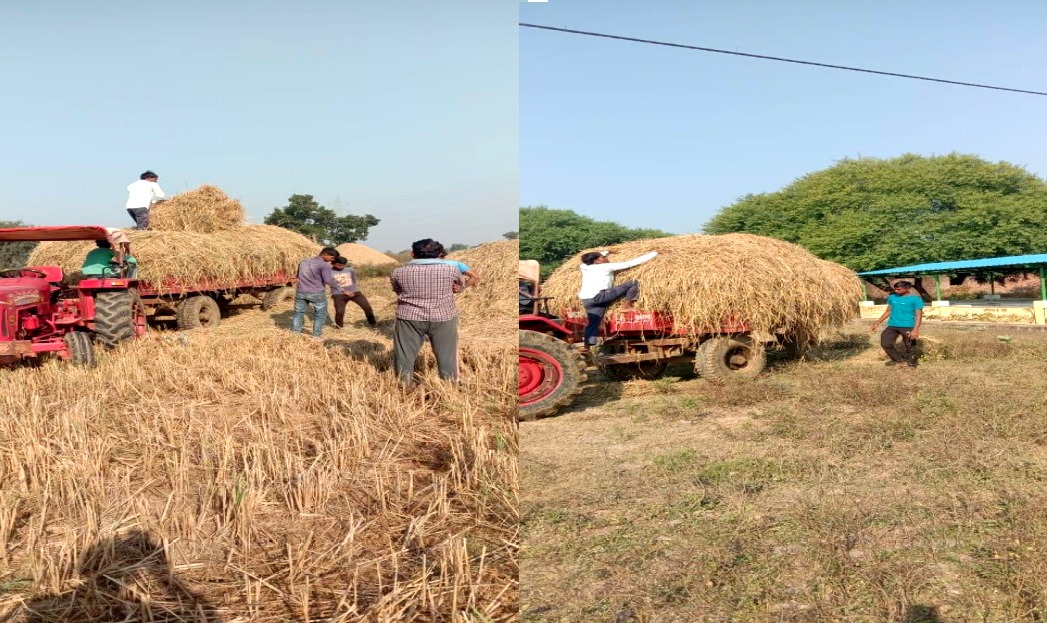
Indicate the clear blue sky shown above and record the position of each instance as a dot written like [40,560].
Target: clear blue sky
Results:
[406,110]
[661,137]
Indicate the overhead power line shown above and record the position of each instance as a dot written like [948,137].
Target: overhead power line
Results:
[777,58]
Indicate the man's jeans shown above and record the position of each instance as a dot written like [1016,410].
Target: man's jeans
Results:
[302,301]
[596,307]
[141,217]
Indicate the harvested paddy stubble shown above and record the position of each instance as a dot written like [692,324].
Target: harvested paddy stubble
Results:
[204,210]
[284,479]
[703,281]
[171,259]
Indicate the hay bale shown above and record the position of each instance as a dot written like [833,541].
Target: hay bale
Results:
[172,260]
[362,255]
[204,210]
[703,281]
[493,301]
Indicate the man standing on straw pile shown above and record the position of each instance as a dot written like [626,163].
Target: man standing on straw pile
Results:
[314,276]
[140,196]
[599,292]
[425,307]
[345,275]
[904,316]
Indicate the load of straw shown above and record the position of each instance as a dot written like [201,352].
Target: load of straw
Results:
[206,209]
[492,301]
[363,255]
[173,260]
[703,281]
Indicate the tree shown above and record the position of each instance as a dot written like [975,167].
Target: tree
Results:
[511,235]
[14,254]
[457,247]
[871,213]
[307,217]
[552,236]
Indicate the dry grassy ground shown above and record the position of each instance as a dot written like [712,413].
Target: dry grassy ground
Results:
[829,491]
[249,474]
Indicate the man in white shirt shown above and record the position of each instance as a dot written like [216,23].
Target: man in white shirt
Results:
[140,195]
[599,292]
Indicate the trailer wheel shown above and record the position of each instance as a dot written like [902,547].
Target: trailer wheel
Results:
[730,358]
[277,297]
[551,375]
[81,350]
[198,311]
[119,316]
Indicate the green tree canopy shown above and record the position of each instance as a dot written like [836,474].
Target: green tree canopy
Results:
[511,235]
[14,254]
[872,213]
[307,217]
[552,236]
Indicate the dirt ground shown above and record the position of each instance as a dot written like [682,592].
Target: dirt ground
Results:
[836,489]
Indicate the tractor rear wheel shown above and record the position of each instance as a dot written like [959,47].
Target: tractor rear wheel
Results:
[119,316]
[277,297]
[730,358]
[551,375]
[198,311]
[81,350]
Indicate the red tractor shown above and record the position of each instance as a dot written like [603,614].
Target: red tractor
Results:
[40,314]
[635,344]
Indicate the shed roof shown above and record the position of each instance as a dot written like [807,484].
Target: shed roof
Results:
[1013,261]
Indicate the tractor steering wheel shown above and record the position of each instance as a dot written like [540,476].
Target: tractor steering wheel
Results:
[16,273]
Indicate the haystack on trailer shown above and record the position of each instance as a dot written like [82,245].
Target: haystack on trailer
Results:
[193,278]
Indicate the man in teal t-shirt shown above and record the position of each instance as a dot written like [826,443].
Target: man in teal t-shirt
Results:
[102,262]
[904,316]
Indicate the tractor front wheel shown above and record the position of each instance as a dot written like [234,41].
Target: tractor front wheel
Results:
[730,358]
[551,375]
[119,316]
[81,350]
[198,311]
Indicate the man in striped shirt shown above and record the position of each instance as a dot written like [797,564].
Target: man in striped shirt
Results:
[425,307]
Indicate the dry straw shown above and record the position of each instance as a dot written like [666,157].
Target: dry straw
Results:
[492,302]
[170,260]
[702,281]
[363,255]
[249,474]
[206,209]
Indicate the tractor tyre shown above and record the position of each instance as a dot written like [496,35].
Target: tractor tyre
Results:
[277,297]
[730,358]
[119,316]
[645,370]
[81,350]
[198,311]
[551,375]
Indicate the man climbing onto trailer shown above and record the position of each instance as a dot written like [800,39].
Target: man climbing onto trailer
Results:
[140,197]
[598,291]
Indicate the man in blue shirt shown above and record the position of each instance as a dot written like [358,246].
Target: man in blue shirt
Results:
[904,316]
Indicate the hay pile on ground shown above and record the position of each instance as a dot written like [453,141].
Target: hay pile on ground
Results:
[248,474]
[204,210]
[363,255]
[493,302]
[703,281]
[169,260]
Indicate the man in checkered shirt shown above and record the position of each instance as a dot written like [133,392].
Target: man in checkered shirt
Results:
[425,307]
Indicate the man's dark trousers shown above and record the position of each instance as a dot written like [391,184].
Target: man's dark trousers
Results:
[889,339]
[596,307]
[141,217]
[408,337]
